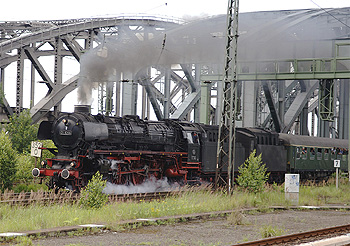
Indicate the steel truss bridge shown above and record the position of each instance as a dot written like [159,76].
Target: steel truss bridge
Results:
[291,64]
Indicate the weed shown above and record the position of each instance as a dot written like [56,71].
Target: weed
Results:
[23,241]
[271,231]
[235,218]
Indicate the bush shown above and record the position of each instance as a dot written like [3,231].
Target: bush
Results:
[21,131]
[92,196]
[24,166]
[8,158]
[252,174]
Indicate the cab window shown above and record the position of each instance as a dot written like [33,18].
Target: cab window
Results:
[195,137]
[189,138]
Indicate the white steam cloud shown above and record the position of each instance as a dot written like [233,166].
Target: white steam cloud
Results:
[149,186]
[129,53]
[265,36]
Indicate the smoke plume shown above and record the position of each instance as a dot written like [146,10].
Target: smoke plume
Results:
[273,35]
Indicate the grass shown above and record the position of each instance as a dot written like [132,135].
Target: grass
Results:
[271,231]
[325,193]
[33,217]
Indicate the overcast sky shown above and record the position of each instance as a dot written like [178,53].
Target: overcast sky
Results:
[68,9]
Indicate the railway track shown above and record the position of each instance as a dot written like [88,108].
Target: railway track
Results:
[64,197]
[302,237]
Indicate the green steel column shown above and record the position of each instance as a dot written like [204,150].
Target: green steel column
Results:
[205,102]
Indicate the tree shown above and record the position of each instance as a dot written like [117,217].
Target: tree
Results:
[252,174]
[7,162]
[21,131]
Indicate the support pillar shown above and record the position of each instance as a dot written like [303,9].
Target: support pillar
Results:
[19,81]
[249,105]
[304,120]
[129,92]
[117,94]
[109,98]
[167,93]
[2,79]
[145,100]
[343,114]
[58,70]
[281,103]
[197,83]
[32,85]
[205,102]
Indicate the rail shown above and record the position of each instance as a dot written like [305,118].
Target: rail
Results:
[301,237]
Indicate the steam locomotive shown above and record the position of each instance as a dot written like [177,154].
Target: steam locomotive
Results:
[129,150]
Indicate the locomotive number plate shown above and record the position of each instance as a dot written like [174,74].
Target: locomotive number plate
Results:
[66,133]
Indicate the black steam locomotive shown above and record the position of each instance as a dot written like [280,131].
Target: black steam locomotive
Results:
[129,150]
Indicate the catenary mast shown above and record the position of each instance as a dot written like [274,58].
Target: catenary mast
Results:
[226,138]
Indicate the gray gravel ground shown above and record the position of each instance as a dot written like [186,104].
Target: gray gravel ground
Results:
[216,231]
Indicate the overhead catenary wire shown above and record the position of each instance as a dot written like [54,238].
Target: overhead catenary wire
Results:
[329,13]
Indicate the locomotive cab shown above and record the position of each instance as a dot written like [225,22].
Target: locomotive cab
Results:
[193,146]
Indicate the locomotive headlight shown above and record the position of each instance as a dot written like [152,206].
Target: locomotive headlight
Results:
[43,163]
[72,164]
[36,172]
[65,174]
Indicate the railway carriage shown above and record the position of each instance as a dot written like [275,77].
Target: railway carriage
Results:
[313,157]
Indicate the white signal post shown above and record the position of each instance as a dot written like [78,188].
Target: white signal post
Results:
[36,150]
[337,166]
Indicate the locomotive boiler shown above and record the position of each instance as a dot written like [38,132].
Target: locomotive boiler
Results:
[123,149]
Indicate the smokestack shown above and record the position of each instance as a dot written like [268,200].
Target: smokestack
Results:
[85,109]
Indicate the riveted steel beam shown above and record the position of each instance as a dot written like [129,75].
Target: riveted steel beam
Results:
[39,68]
[53,98]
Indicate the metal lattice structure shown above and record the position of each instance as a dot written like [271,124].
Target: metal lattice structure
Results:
[295,49]
[226,156]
